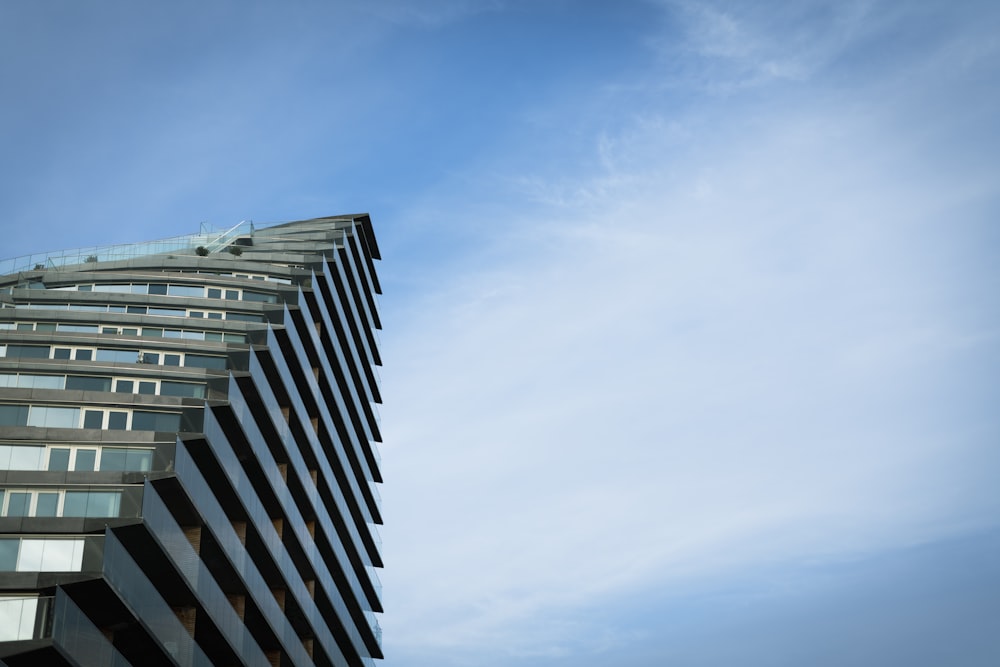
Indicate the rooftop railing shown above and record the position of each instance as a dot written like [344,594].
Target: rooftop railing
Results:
[209,239]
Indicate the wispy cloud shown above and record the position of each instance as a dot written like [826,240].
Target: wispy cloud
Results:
[750,343]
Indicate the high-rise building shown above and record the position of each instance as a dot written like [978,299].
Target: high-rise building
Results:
[188,459]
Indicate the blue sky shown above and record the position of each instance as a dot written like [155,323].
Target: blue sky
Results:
[692,328]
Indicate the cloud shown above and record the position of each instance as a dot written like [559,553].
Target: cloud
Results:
[754,343]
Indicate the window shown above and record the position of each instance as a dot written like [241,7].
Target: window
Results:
[155,421]
[88,382]
[47,504]
[39,555]
[13,415]
[117,421]
[204,361]
[20,457]
[52,417]
[93,419]
[18,503]
[85,460]
[186,389]
[59,458]
[116,356]
[126,458]
[28,351]
[185,290]
[92,503]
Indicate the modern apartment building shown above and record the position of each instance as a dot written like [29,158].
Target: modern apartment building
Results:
[188,460]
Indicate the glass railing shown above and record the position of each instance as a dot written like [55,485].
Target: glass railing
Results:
[25,617]
[212,240]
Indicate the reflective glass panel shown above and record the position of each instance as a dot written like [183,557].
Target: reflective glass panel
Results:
[8,554]
[117,421]
[93,419]
[46,504]
[88,382]
[85,459]
[17,505]
[25,458]
[59,458]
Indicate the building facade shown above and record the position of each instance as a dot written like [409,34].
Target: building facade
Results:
[188,458]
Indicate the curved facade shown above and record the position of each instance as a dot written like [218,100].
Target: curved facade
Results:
[188,461]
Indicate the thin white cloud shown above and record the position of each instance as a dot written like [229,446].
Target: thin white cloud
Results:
[737,345]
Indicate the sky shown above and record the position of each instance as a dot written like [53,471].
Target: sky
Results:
[691,335]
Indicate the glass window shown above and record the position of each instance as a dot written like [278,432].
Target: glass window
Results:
[13,415]
[155,421]
[78,328]
[25,326]
[147,388]
[204,361]
[113,458]
[149,358]
[212,335]
[170,312]
[157,289]
[88,382]
[8,554]
[259,297]
[136,310]
[171,360]
[92,503]
[186,290]
[243,317]
[30,558]
[8,379]
[54,417]
[59,458]
[125,386]
[112,288]
[84,355]
[117,421]
[61,353]
[117,356]
[85,460]
[139,459]
[62,555]
[214,316]
[172,333]
[196,313]
[28,351]
[40,381]
[235,338]
[46,504]
[214,293]
[93,419]
[232,294]
[152,332]
[129,331]
[23,458]
[116,309]
[188,389]
[75,503]
[109,330]
[18,503]
[45,326]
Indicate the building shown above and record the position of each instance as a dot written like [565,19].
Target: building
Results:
[188,464]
